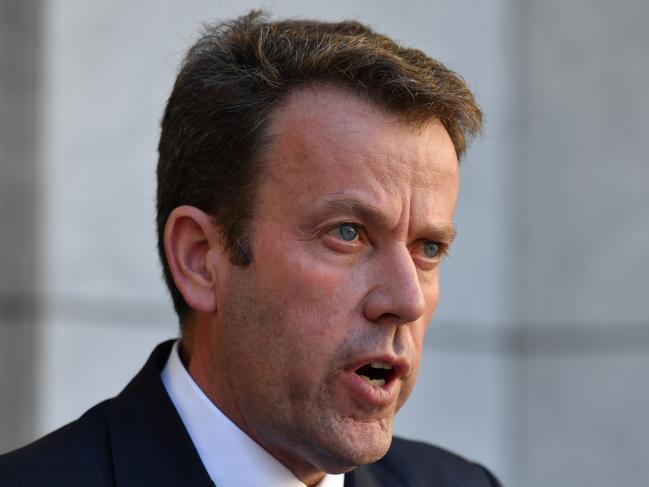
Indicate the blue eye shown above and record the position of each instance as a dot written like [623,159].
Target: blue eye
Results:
[348,232]
[431,249]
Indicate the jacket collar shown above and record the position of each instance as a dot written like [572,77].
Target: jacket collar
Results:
[150,445]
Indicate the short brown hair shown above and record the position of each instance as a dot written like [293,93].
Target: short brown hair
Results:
[239,71]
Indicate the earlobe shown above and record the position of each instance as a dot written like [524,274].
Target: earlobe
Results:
[191,241]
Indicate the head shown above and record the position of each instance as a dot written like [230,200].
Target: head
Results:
[307,181]
[235,77]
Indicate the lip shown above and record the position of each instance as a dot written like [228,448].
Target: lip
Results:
[369,396]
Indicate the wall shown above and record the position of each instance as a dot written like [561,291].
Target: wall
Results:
[19,230]
[583,242]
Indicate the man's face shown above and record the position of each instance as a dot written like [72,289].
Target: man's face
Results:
[354,213]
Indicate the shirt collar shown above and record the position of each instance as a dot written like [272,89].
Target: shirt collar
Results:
[230,456]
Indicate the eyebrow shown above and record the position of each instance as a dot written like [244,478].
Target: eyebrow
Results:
[362,211]
[367,212]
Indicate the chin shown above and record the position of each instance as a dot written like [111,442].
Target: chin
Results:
[358,444]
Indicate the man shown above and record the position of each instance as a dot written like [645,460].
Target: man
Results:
[307,181]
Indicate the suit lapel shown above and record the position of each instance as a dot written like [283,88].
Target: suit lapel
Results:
[150,445]
[371,476]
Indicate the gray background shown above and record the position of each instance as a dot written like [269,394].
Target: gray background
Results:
[537,361]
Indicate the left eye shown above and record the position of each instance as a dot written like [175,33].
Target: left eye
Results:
[348,232]
[431,249]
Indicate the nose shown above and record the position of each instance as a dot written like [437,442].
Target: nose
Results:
[396,296]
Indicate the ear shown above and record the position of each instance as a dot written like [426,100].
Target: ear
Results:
[192,243]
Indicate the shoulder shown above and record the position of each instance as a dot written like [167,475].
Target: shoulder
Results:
[76,454]
[414,463]
[135,437]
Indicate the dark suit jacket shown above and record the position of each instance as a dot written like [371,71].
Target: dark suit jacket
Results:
[138,439]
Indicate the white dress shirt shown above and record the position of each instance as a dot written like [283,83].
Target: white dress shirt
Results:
[230,456]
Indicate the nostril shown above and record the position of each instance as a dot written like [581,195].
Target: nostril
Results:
[389,319]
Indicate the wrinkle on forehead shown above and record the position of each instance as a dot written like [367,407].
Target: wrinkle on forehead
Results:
[311,121]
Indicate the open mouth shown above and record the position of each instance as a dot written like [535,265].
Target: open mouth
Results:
[376,374]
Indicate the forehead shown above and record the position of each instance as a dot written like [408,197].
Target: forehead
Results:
[327,140]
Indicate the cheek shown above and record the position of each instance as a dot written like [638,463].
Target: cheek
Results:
[323,300]
[429,283]
[303,281]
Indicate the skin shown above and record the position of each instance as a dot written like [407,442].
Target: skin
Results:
[274,345]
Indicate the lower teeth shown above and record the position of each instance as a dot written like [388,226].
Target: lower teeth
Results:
[374,382]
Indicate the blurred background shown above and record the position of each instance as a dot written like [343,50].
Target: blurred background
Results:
[537,362]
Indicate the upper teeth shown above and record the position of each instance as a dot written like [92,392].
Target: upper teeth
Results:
[381,365]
